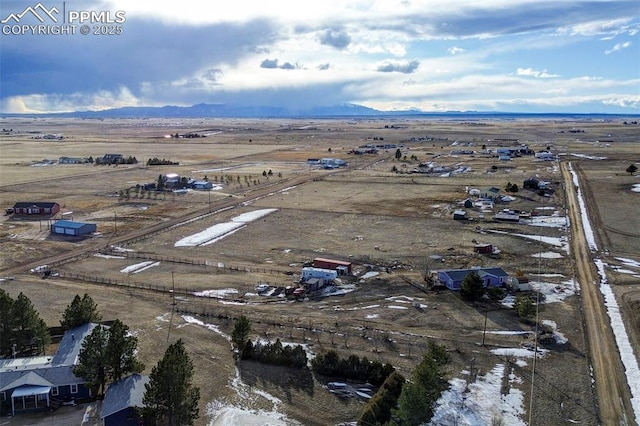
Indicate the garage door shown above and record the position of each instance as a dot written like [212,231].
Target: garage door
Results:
[68,231]
[58,230]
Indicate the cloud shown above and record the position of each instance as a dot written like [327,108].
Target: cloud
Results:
[404,67]
[455,50]
[339,39]
[269,64]
[273,64]
[530,72]
[324,67]
[618,47]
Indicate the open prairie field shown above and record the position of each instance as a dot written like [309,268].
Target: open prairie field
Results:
[390,214]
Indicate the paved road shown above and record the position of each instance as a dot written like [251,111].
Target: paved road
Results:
[612,392]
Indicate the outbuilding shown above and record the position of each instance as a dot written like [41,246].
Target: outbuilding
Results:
[68,227]
[460,215]
[342,267]
[121,399]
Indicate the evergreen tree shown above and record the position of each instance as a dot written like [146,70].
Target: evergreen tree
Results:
[21,325]
[398,154]
[632,169]
[79,312]
[29,330]
[92,359]
[240,334]
[472,287]
[170,397]
[524,307]
[120,354]
[6,323]
[107,355]
[416,401]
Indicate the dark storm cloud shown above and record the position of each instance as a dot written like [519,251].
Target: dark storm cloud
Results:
[403,67]
[148,51]
[339,39]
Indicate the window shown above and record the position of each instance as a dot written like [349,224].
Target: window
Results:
[74,388]
[3,396]
[54,391]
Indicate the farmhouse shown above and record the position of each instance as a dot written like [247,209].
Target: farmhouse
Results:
[68,227]
[72,160]
[492,277]
[121,400]
[36,208]
[343,268]
[42,382]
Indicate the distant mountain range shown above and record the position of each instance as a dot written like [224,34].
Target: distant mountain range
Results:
[242,111]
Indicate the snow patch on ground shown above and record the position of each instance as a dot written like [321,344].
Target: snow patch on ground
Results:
[220,293]
[548,255]
[218,231]
[139,267]
[481,402]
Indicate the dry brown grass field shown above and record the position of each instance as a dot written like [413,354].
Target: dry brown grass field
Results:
[399,224]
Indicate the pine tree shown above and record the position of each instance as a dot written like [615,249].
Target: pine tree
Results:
[107,355]
[170,397]
[472,287]
[120,353]
[92,359]
[240,334]
[79,312]
[21,325]
[6,323]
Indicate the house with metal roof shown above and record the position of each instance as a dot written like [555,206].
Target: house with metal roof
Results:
[42,382]
[491,277]
[121,399]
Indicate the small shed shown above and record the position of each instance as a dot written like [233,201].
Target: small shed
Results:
[121,400]
[483,248]
[460,215]
[68,227]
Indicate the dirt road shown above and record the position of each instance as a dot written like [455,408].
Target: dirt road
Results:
[612,391]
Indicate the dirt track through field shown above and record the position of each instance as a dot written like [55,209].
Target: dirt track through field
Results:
[612,391]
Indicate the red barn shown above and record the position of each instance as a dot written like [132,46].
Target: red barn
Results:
[343,268]
[36,208]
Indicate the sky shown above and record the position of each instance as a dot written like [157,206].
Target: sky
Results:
[432,55]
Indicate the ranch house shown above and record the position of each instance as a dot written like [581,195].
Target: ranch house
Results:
[38,208]
[492,277]
[43,382]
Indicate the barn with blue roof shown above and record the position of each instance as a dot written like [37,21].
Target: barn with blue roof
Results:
[76,229]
